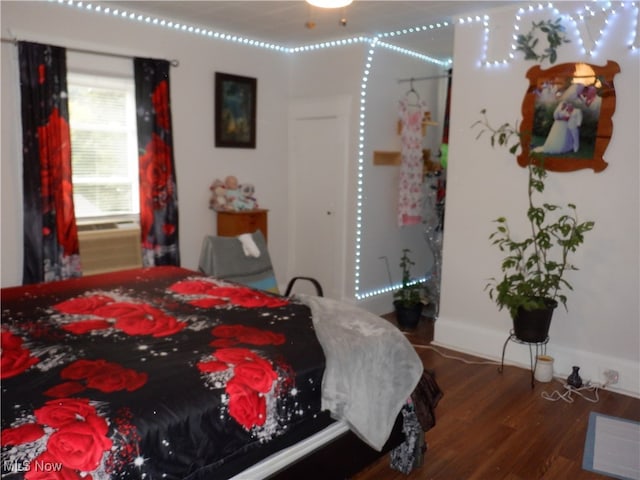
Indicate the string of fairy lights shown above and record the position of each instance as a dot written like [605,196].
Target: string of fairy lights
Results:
[589,42]
[608,11]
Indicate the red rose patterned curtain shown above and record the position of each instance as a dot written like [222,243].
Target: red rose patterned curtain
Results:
[158,193]
[51,249]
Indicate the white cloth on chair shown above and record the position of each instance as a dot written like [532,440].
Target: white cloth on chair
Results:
[249,247]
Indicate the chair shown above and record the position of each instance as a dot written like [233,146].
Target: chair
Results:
[224,258]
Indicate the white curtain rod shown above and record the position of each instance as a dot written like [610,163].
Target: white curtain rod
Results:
[174,63]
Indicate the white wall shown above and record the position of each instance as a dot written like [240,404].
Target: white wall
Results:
[198,162]
[602,326]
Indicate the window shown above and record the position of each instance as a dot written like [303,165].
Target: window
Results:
[103,147]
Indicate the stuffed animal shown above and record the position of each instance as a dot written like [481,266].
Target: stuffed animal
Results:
[232,192]
[245,199]
[218,200]
[229,195]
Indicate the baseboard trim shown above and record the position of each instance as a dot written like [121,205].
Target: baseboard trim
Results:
[486,343]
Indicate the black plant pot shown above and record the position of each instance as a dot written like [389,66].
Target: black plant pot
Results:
[408,316]
[533,325]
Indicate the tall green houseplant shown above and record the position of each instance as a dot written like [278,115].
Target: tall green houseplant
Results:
[535,265]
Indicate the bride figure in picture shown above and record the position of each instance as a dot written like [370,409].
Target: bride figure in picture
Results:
[559,139]
[573,124]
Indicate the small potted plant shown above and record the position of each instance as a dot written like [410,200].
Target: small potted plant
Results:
[535,263]
[407,301]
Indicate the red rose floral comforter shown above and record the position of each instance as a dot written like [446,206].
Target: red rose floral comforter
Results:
[155,373]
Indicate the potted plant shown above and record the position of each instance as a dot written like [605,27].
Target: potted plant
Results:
[535,263]
[407,301]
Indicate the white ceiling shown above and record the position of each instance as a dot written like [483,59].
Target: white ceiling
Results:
[283,22]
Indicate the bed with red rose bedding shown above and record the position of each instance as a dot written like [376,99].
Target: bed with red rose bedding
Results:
[157,373]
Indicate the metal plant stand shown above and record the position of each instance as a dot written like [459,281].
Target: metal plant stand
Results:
[541,349]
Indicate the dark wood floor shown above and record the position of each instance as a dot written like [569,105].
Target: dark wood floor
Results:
[493,426]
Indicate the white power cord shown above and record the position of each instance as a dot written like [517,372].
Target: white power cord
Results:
[569,392]
[460,359]
[567,395]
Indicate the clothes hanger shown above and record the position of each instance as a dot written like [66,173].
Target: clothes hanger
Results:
[414,92]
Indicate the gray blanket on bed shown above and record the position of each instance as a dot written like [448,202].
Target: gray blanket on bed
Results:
[371,368]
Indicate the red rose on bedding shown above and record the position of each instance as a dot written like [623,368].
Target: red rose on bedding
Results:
[80,437]
[80,445]
[86,326]
[65,389]
[223,342]
[208,302]
[159,325]
[114,377]
[22,434]
[227,292]
[249,298]
[14,359]
[104,376]
[212,366]
[257,374]
[81,369]
[251,335]
[140,319]
[234,356]
[246,406]
[191,287]
[57,413]
[82,305]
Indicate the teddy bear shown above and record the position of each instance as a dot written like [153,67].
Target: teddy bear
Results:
[218,200]
[245,199]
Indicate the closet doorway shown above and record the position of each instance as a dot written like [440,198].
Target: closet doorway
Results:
[318,159]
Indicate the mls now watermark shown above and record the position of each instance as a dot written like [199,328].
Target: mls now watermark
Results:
[16,466]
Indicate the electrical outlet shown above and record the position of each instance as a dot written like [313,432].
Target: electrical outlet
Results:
[611,377]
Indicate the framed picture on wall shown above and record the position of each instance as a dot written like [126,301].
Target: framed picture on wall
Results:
[235,111]
[567,113]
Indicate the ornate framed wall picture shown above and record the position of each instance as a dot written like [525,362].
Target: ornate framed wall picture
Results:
[235,111]
[567,116]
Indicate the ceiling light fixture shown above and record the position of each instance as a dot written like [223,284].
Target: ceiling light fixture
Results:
[329,3]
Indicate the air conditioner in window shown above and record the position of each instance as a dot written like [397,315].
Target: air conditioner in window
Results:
[109,246]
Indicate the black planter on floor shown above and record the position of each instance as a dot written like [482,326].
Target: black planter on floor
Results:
[408,316]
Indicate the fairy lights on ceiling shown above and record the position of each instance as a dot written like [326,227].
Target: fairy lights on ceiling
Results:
[578,20]
[419,56]
[209,33]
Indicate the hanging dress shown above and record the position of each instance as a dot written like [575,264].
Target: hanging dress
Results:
[410,192]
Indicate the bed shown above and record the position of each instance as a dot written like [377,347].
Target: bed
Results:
[165,373]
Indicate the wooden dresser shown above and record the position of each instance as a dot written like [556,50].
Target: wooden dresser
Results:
[232,224]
